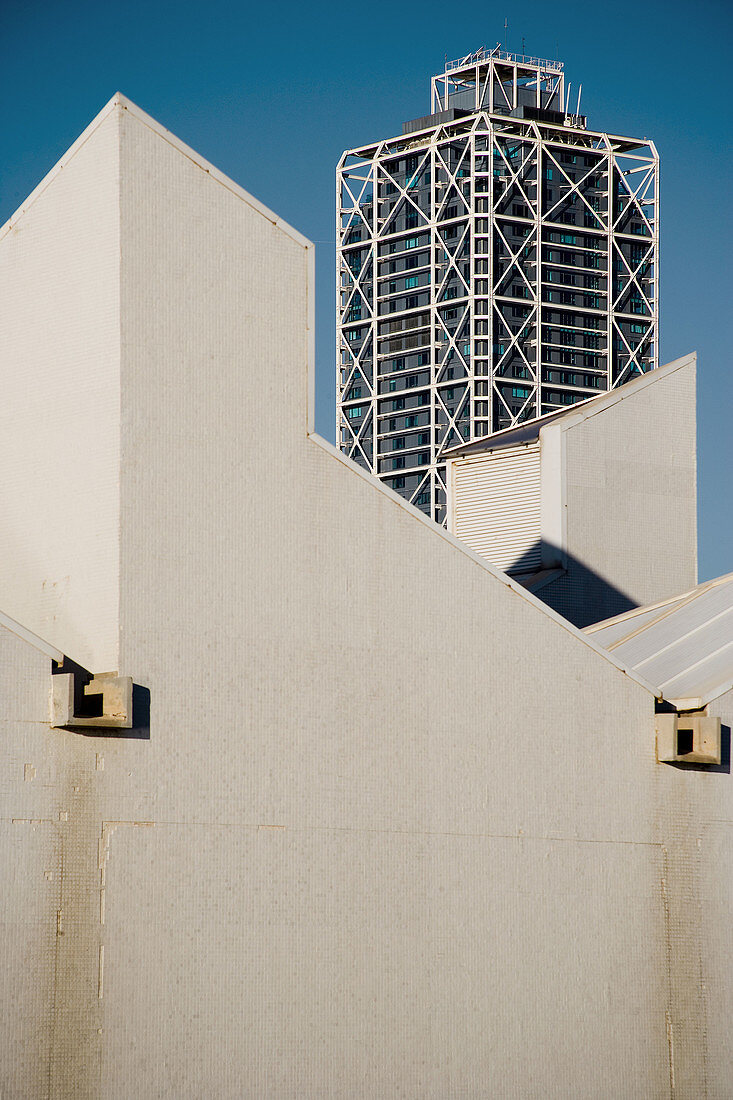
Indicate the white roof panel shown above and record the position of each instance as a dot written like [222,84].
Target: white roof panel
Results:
[615,630]
[684,645]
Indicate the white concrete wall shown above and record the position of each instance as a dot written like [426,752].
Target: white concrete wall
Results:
[60,408]
[705,912]
[630,497]
[29,870]
[395,830]
[694,809]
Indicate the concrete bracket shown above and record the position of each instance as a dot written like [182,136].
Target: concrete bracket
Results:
[688,739]
[82,700]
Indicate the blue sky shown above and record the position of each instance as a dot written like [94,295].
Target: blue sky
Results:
[273,94]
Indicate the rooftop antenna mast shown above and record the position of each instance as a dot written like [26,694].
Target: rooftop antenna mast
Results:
[506,28]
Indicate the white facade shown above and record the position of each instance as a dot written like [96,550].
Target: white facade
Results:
[335,861]
[615,524]
[60,413]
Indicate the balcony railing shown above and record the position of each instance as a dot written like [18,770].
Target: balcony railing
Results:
[503,55]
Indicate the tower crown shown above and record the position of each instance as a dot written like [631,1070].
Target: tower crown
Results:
[503,83]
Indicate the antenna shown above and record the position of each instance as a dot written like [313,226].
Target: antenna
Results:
[522,46]
[506,28]
[580,89]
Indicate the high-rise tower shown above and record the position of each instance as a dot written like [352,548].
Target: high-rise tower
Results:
[496,262]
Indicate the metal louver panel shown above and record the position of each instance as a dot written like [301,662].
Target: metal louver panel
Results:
[496,506]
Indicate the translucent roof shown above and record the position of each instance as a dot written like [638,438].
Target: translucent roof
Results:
[684,645]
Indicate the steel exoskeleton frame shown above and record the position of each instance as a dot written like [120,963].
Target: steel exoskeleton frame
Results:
[490,268]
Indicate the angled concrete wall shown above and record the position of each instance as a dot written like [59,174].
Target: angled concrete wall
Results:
[707,859]
[30,862]
[393,828]
[60,413]
[630,496]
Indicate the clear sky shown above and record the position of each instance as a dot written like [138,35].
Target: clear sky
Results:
[272,93]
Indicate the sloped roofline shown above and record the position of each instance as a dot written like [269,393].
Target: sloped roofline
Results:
[120,101]
[30,638]
[482,563]
[568,418]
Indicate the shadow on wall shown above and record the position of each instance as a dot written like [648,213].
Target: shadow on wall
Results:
[140,729]
[577,593]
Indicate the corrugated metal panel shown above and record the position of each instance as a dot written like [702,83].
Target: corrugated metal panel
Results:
[671,628]
[684,646]
[703,680]
[620,628]
[496,506]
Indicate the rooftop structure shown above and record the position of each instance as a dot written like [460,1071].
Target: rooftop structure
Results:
[555,501]
[496,262]
[503,83]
